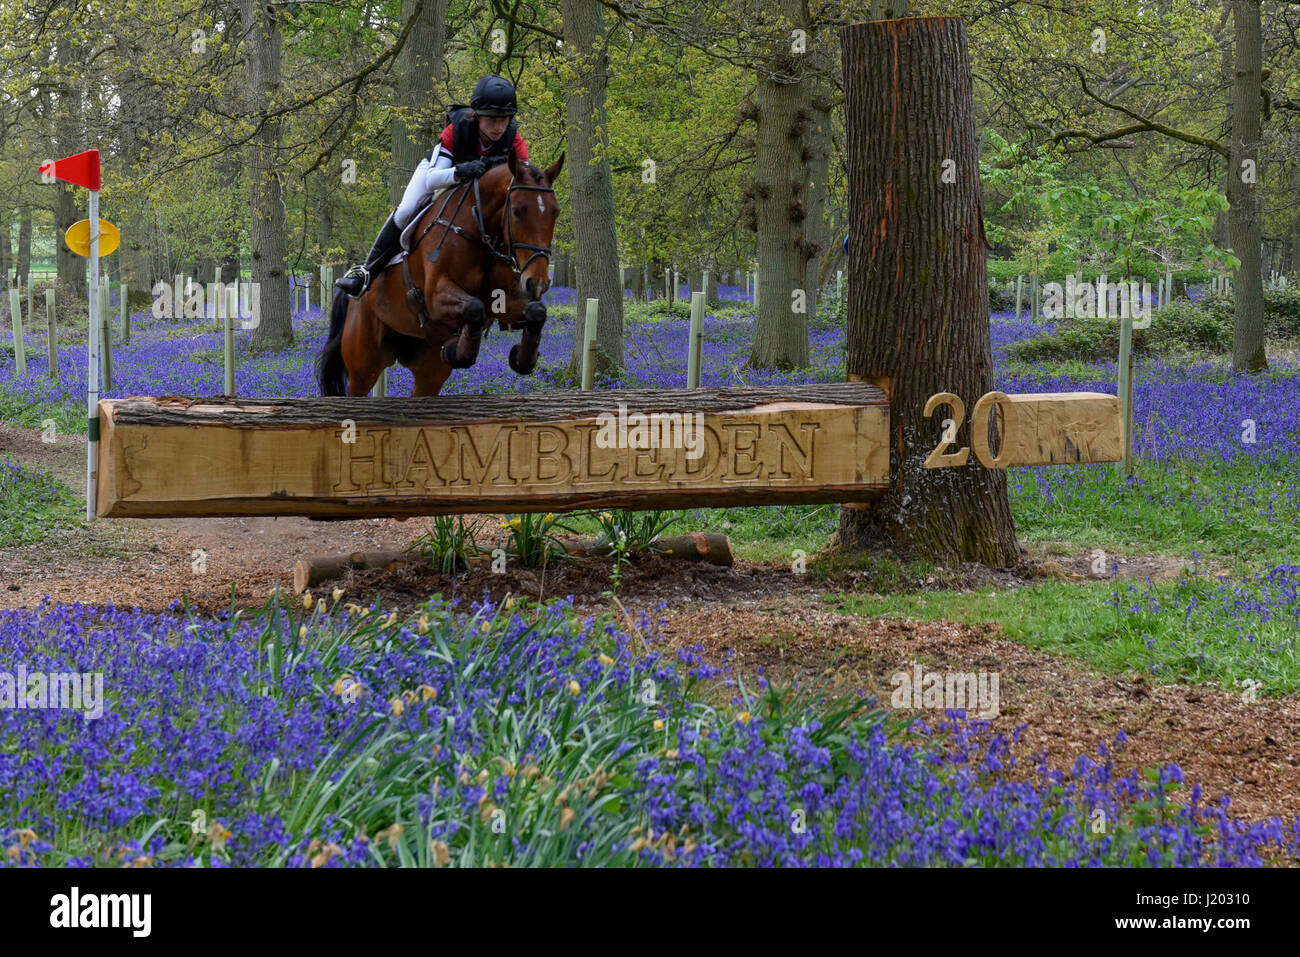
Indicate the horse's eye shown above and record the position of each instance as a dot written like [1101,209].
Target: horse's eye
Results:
[519,211]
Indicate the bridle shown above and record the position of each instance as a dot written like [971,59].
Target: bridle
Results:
[491,243]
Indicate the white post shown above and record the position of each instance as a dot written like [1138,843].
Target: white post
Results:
[589,345]
[16,318]
[756,281]
[228,354]
[695,347]
[1126,387]
[92,362]
[51,335]
[839,286]
[1020,285]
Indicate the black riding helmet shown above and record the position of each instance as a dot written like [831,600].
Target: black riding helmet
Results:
[494,96]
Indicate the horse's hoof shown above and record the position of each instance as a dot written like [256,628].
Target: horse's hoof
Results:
[514,362]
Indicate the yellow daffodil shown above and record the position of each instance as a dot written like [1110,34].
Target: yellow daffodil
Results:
[338,594]
[485,627]
[427,693]
[516,523]
[509,603]
[424,624]
[302,631]
[441,854]
[605,659]
[659,725]
[397,706]
[550,517]
[574,688]
[744,717]
[306,600]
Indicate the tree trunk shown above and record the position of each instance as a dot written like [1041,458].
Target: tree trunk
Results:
[1243,214]
[818,152]
[781,327]
[71,268]
[918,317]
[274,329]
[560,270]
[638,283]
[421,65]
[24,269]
[1293,243]
[6,254]
[591,185]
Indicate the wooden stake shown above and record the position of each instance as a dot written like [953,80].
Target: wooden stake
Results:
[1020,288]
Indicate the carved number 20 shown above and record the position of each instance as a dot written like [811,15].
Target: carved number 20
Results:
[979,421]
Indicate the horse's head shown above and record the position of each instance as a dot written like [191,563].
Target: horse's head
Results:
[528,222]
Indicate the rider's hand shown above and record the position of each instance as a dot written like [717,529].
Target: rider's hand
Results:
[470,170]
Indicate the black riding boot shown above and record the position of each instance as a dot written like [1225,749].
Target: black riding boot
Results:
[358,278]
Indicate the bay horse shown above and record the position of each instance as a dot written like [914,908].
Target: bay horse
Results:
[428,313]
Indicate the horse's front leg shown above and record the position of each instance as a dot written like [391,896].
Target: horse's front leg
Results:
[457,308]
[523,356]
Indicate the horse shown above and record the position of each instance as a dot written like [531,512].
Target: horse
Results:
[428,313]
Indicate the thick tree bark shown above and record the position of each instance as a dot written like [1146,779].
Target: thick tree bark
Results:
[918,317]
[1243,214]
[780,199]
[420,68]
[591,184]
[267,222]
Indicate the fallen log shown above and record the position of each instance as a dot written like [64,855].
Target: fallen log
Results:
[712,548]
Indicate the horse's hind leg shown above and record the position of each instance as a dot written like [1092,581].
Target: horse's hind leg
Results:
[364,351]
[430,372]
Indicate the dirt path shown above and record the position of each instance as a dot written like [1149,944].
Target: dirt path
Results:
[151,562]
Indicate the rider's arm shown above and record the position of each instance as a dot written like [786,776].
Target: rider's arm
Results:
[441,171]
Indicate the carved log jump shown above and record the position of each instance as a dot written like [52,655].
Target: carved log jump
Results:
[351,458]
[534,452]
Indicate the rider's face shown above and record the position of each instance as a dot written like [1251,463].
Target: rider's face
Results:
[491,127]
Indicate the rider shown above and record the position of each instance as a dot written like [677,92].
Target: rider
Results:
[476,135]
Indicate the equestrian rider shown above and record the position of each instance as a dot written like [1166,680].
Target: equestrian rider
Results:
[477,135]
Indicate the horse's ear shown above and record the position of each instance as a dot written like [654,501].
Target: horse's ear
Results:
[553,170]
[513,161]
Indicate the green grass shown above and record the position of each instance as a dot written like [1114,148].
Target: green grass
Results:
[32,505]
[1195,507]
[1095,622]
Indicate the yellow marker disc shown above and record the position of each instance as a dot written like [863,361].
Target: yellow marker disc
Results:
[78,238]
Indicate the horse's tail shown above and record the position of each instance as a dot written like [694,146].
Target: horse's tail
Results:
[331,372]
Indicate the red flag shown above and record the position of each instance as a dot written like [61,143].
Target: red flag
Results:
[81,170]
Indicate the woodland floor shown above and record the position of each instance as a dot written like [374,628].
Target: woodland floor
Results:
[748,617]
